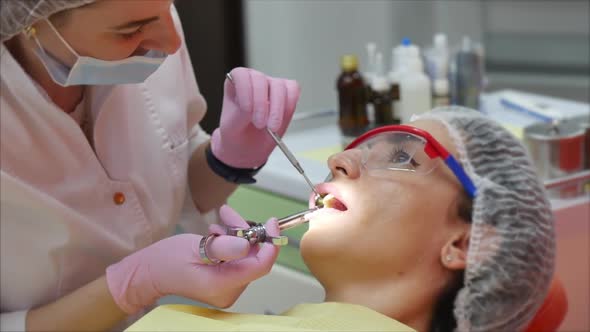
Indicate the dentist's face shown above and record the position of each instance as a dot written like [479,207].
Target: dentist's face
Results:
[111,30]
[387,223]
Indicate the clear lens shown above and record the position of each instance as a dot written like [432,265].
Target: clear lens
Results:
[396,151]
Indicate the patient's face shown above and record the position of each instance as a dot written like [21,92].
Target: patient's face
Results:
[394,221]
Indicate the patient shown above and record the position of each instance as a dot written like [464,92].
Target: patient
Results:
[411,243]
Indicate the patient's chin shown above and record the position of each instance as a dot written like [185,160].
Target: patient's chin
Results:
[319,243]
[329,230]
[326,217]
[323,247]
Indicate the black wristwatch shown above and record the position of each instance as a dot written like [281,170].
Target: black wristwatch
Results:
[231,174]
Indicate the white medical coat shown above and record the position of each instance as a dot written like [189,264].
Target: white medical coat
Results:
[68,211]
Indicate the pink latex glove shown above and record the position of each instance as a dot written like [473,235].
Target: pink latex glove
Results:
[173,266]
[251,103]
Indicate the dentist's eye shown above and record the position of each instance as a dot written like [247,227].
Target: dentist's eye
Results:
[130,35]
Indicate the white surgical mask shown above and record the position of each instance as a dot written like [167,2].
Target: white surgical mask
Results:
[91,71]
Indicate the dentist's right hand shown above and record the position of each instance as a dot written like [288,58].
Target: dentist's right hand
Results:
[173,266]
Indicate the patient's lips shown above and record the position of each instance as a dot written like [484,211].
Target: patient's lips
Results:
[332,200]
[332,204]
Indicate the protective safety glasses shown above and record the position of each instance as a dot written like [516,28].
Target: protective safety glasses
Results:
[409,149]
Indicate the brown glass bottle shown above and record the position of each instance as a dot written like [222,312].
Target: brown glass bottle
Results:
[394,94]
[382,101]
[352,99]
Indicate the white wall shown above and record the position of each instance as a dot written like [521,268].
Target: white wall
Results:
[304,40]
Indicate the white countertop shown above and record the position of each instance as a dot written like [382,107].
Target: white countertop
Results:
[313,137]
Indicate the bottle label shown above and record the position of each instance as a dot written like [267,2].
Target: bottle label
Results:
[441,101]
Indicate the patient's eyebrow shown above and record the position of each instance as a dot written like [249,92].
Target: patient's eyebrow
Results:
[136,24]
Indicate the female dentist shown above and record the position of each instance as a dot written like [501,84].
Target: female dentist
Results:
[102,155]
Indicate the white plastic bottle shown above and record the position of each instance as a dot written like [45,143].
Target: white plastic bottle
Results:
[437,66]
[437,57]
[399,56]
[378,75]
[441,93]
[415,90]
[371,59]
[378,69]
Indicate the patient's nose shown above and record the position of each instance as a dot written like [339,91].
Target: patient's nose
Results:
[346,164]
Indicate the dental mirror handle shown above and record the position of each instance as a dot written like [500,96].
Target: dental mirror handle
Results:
[291,158]
[286,151]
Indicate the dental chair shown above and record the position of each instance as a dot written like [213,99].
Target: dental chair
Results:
[553,310]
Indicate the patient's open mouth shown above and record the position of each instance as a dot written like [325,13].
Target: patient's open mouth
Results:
[330,204]
[334,203]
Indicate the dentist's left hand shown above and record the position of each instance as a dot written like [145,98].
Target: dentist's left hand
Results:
[173,266]
[252,103]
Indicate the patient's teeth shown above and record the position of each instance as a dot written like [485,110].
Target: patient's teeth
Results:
[332,202]
[319,200]
[329,201]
